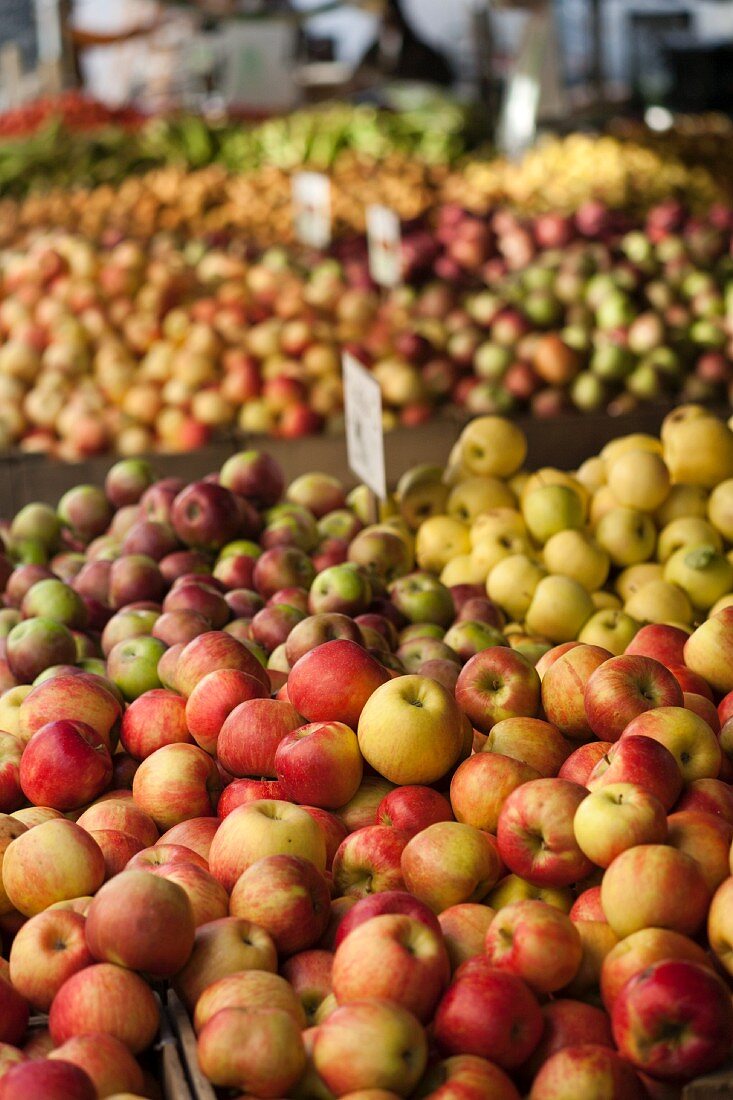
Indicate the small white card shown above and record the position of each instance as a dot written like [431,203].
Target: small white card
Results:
[312,208]
[384,237]
[364,432]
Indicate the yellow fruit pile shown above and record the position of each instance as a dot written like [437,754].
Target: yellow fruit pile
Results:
[640,533]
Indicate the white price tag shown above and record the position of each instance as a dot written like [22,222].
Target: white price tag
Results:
[312,208]
[364,433]
[384,238]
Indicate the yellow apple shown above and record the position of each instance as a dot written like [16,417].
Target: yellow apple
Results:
[603,600]
[634,577]
[499,521]
[627,535]
[686,531]
[494,548]
[420,493]
[702,572]
[639,479]
[462,570]
[659,602]
[720,509]
[699,451]
[476,495]
[552,508]
[635,441]
[512,582]
[683,500]
[439,539]
[559,608]
[575,554]
[609,628]
[602,502]
[592,473]
[492,446]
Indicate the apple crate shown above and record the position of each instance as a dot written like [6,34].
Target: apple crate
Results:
[716,1086]
[198,1086]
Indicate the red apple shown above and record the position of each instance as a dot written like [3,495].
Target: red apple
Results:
[537,942]
[586,1069]
[154,719]
[661,641]
[667,885]
[535,833]
[563,688]
[319,764]
[176,782]
[489,1013]
[497,683]
[210,652]
[385,902]
[642,761]
[333,682]
[214,698]
[222,947]
[674,1020]
[412,808]
[285,895]
[52,1080]
[196,834]
[481,785]
[624,687]
[580,764]
[106,1060]
[105,998]
[65,765]
[251,733]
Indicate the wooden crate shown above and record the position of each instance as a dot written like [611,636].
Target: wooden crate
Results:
[200,1089]
[715,1086]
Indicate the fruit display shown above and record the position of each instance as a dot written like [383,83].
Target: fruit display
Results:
[72,142]
[435,806]
[155,344]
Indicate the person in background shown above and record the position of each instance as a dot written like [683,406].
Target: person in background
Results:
[398,53]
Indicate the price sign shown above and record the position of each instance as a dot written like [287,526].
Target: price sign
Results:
[385,245]
[312,208]
[364,433]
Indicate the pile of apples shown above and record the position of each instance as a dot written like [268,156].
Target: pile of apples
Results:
[458,831]
[139,346]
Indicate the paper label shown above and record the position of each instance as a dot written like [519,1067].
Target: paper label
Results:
[384,237]
[312,208]
[364,432]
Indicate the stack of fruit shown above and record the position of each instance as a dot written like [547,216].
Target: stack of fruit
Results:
[386,835]
[137,346]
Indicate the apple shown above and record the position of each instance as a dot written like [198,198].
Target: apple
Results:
[117,848]
[482,783]
[208,898]
[80,698]
[719,924]
[106,1060]
[532,741]
[127,624]
[343,588]
[511,888]
[15,1012]
[120,816]
[624,687]
[450,863]
[154,719]
[535,833]
[176,782]
[212,651]
[370,1044]
[10,1056]
[222,947]
[205,516]
[392,957]
[518,939]
[242,791]
[616,817]
[661,641]
[334,681]
[213,699]
[495,684]
[132,665]
[259,1051]
[134,577]
[151,930]
[52,1080]
[464,928]
[368,861]
[248,989]
[706,651]
[320,764]
[710,796]
[384,902]
[429,725]
[489,1013]
[254,475]
[411,808]
[707,839]
[249,736]
[165,854]
[563,689]
[65,765]
[47,950]
[271,626]
[196,834]
[11,795]
[361,810]
[639,760]
[35,645]
[105,998]
[678,999]
[52,862]
[584,1069]
[687,736]
[463,1075]
[288,897]
[580,764]
[569,1023]
[667,885]
[264,828]
[636,952]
